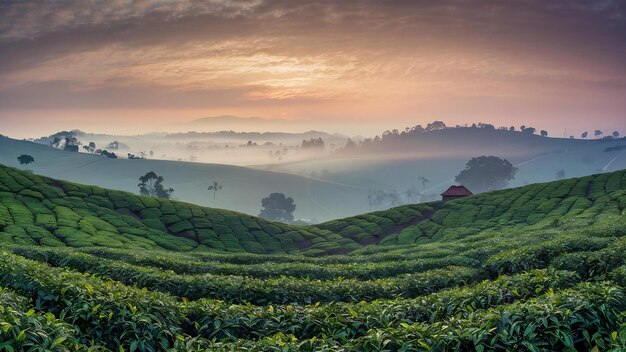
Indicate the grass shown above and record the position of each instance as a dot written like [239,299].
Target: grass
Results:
[537,268]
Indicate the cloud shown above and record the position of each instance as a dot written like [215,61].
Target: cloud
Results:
[343,54]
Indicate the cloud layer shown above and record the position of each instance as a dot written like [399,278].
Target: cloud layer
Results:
[364,59]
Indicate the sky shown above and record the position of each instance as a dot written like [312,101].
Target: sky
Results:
[353,66]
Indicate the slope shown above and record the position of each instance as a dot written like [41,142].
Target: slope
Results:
[398,164]
[554,205]
[553,282]
[243,187]
[36,210]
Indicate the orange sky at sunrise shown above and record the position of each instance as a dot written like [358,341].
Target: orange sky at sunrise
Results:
[356,67]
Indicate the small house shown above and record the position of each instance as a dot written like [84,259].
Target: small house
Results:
[455,192]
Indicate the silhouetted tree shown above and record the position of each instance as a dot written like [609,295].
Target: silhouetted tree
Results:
[544,133]
[69,143]
[560,174]
[435,125]
[512,128]
[313,143]
[529,130]
[108,154]
[486,173]
[417,129]
[114,145]
[424,181]
[350,144]
[584,135]
[597,133]
[215,187]
[25,159]
[277,207]
[151,185]
[615,134]
[90,148]
[141,155]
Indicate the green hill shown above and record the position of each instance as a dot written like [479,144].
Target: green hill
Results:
[36,210]
[243,187]
[562,205]
[538,268]
[397,164]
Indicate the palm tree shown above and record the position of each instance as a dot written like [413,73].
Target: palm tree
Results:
[215,187]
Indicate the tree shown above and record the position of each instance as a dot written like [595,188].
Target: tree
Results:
[435,125]
[313,143]
[424,181]
[512,128]
[91,147]
[141,156]
[350,144]
[417,129]
[529,130]
[69,144]
[597,133]
[215,187]
[107,154]
[25,159]
[278,207]
[486,173]
[544,133]
[584,135]
[615,134]
[560,174]
[151,185]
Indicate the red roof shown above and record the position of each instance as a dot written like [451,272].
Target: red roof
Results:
[457,191]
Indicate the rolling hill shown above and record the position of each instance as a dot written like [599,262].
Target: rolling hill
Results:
[41,211]
[397,164]
[394,167]
[35,210]
[536,268]
[243,187]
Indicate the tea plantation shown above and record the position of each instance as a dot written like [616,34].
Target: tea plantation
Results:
[537,268]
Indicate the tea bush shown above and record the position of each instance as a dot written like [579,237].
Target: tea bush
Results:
[536,268]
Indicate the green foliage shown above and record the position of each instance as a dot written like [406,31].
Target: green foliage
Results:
[82,216]
[537,268]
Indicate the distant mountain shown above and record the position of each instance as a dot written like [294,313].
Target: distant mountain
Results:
[231,118]
[259,136]
[248,124]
